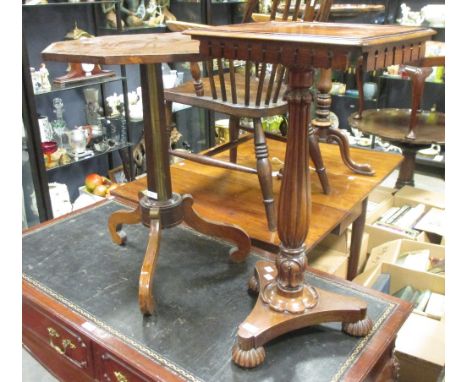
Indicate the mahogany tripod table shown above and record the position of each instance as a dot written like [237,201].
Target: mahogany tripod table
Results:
[392,125]
[285,302]
[158,207]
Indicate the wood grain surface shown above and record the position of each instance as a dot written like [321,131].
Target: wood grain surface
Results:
[125,49]
[357,35]
[233,197]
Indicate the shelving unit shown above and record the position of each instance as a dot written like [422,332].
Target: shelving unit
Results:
[37,35]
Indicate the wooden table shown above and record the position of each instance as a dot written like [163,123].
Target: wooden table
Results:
[392,125]
[235,198]
[81,319]
[158,206]
[285,302]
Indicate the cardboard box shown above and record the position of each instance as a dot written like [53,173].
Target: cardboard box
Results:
[408,194]
[378,200]
[390,251]
[401,277]
[329,261]
[379,235]
[420,349]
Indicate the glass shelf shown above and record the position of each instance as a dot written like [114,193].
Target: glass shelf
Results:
[96,154]
[157,29]
[399,78]
[59,87]
[61,3]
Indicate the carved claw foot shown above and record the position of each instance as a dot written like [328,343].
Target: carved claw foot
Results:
[248,358]
[359,328]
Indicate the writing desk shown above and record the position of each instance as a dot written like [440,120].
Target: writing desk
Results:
[81,318]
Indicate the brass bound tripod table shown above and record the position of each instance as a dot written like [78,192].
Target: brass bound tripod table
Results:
[158,207]
[285,301]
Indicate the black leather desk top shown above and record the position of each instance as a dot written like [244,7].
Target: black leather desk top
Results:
[201,299]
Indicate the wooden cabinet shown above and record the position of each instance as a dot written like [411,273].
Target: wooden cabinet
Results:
[73,349]
[63,339]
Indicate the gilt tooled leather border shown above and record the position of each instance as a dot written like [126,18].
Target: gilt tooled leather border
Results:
[144,350]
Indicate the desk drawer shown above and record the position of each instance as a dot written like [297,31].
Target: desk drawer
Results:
[66,341]
[112,369]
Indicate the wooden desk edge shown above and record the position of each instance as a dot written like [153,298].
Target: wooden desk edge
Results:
[55,308]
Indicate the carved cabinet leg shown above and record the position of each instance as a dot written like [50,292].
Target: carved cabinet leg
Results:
[264,174]
[224,231]
[122,217]
[145,292]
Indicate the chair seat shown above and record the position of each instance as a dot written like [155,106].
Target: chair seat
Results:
[185,94]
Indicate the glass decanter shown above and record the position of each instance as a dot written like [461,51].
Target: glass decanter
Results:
[58,125]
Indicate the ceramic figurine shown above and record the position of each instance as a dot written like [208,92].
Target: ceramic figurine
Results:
[131,11]
[112,102]
[44,78]
[408,17]
[36,80]
[111,17]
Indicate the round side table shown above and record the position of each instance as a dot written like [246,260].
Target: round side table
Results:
[392,125]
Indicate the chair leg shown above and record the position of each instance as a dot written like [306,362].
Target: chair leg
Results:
[264,173]
[316,156]
[233,136]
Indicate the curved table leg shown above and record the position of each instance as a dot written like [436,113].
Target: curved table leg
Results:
[324,129]
[118,218]
[333,135]
[145,291]
[228,232]
[316,156]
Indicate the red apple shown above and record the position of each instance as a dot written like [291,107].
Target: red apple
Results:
[100,190]
[93,180]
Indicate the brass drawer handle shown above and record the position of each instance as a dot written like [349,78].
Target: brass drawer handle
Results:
[120,376]
[66,343]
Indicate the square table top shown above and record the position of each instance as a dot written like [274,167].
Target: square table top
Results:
[150,48]
[315,44]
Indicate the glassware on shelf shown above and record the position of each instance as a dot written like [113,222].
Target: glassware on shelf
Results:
[48,148]
[93,109]
[79,138]
[58,125]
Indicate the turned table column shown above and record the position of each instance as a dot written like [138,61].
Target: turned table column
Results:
[294,203]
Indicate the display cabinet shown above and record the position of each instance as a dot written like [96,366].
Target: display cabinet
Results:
[58,104]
